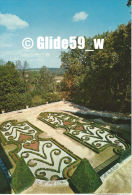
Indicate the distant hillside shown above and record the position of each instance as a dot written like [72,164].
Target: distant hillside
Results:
[58,71]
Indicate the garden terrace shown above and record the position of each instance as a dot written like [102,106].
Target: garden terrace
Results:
[46,158]
[91,134]
[44,133]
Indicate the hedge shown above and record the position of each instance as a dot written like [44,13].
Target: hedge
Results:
[5,158]
[22,177]
[85,179]
[5,187]
[125,154]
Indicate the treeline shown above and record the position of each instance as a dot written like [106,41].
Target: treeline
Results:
[19,87]
[101,79]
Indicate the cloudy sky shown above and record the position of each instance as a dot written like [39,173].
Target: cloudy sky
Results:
[65,18]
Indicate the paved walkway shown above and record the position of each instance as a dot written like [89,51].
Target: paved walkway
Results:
[80,150]
[118,181]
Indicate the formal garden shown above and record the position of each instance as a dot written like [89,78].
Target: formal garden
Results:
[44,159]
[35,158]
[89,133]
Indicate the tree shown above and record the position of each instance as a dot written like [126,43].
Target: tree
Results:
[45,82]
[12,89]
[2,62]
[45,89]
[18,64]
[100,79]
[22,68]
[129,3]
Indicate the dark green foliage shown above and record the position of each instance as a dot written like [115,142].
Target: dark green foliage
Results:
[52,97]
[85,179]
[123,131]
[5,187]
[125,154]
[101,79]
[45,81]
[12,89]
[4,158]
[5,165]
[22,177]
[45,88]
[129,3]
[20,87]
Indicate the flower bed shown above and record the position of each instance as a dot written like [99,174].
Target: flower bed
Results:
[90,134]
[45,158]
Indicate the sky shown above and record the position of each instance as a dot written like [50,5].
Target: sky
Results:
[32,18]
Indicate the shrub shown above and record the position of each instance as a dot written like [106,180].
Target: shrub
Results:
[4,184]
[5,158]
[125,154]
[52,97]
[85,179]
[22,177]
[37,100]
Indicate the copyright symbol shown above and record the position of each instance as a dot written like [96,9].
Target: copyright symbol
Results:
[27,43]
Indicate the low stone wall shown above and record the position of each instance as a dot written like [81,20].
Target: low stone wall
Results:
[114,168]
[87,111]
[52,183]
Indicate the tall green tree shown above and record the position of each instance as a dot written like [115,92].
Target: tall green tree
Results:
[129,3]
[45,81]
[100,79]
[12,89]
